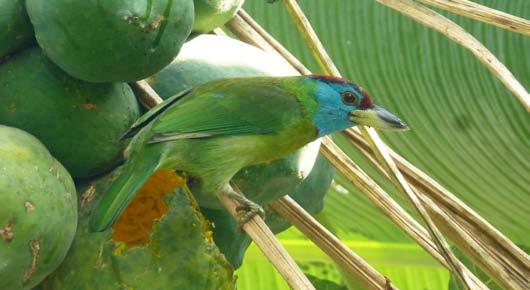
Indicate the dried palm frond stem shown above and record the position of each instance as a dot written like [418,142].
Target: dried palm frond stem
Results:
[509,258]
[505,262]
[262,236]
[331,245]
[483,13]
[488,248]
[320,53]
[289,208]
[256,228]
[341,161]
[431,18]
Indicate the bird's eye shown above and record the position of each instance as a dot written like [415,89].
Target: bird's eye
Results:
[348,98]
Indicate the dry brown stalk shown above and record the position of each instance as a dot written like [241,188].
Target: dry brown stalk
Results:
[391,208]
[394,174]
[388,206]
[262,236]
[483,13]
[256,228]
[380,148]
[331,245]
[512,260]
[495,254]
[323,238]
[453,31]
[242,18]
[145,94]
[442,196]
[239,27]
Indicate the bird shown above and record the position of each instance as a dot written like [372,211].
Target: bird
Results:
[213,130]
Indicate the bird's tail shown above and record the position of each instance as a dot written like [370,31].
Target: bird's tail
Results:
[121,192]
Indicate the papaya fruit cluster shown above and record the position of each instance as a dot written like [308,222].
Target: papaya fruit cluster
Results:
[65,101]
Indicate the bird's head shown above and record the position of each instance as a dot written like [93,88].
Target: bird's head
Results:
[342,104]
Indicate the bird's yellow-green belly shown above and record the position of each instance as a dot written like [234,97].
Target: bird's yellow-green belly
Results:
[228,154]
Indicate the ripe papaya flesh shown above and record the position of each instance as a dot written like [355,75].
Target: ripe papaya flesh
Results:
[79,122]
[38,215]
[112,40]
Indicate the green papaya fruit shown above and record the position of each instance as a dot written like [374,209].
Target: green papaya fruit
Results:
[38,215]
[210,57]
[161,242]
[309,195]
[16,31]
[210,14]
[112,40]
[79,122]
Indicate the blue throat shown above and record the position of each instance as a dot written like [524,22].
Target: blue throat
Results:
[327,124]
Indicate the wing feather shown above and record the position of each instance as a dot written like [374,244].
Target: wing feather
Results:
[150,115]
[228,107]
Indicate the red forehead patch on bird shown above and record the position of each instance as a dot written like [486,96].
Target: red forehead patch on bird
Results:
[367,100]
[330,78]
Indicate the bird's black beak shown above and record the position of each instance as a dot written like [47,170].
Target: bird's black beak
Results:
[378,118]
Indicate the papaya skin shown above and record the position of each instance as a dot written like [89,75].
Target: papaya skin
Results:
[16,31]
[112,40]
[38,216]
[79,122]
[210,14]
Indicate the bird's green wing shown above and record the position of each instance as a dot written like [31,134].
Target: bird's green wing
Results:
[230,107]
[150,115]
[122,191]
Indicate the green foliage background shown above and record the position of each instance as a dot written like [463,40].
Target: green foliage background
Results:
[467,131]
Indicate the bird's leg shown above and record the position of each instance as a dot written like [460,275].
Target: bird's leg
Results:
[247,209]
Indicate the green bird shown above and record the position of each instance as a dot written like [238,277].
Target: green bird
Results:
[212,131]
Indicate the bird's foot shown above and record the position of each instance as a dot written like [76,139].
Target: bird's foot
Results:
[247,209]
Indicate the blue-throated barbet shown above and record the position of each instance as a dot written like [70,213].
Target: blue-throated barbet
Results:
[212,131]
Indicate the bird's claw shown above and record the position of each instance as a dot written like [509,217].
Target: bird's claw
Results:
[247,210]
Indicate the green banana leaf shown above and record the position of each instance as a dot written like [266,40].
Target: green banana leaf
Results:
[467,131]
